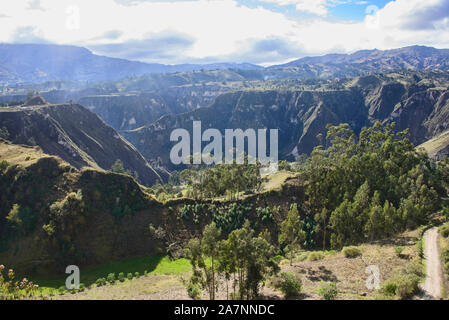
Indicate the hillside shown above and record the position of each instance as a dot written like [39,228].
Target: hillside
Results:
[369,61]
[437,147]
[417,103]
[75,134]
[59,215]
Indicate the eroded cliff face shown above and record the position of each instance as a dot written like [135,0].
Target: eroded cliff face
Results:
[75,134]
[302,115]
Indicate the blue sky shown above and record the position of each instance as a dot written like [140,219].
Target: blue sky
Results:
[346,10]
[206,31]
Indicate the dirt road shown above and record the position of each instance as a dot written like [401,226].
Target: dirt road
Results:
[434,276]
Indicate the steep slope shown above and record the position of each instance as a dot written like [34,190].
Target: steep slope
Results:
[75,134]
[53,215]
[409,101]
[437,147]
[133,110]
[58,215]
[299,116]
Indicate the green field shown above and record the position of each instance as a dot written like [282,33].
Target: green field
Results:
[154,265]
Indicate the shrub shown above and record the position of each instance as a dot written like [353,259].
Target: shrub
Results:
[278,259]
[100,282]
[402,286]
[289,284]
[3,165]
[351,252]
[302,256]
[111,277]
[136,274]
[194,291]
[444,229]
[62,290]
[398,250]
[15,289]
[415,267]
[121,277]
[129,276]
[284,262]
[315,256]
[328,291]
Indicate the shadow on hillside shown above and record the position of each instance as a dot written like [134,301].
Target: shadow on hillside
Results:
[322,274]
[88,275]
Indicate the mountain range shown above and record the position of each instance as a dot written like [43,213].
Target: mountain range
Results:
[408,86]
[33,63]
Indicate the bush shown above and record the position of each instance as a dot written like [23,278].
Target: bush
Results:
[289,284]
[402,286]
[129,276]
[415,267]
[3,165]
[302,256]
[328,291]
[194,291]
[315,256]
[278,259]
[136,274]
[444,229]
[351,252]
[398,250]
[111,277]
[284,262]
[100,282]
[121,277]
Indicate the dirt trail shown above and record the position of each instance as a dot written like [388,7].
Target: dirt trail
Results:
[434,276]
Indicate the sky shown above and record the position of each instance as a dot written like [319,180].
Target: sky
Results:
[263,32]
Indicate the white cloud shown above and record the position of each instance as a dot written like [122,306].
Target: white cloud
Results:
[317,7]
[202,30]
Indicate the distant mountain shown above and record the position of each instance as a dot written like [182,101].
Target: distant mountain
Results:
[33,63]
[370,61]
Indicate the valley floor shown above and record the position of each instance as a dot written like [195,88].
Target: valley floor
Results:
[349,274]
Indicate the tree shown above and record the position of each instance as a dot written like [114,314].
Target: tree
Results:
[117,167]
[204,273]
[4,134]
[292,234]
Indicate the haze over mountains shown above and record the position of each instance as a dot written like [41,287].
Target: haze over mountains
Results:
[145,102]
[33,63]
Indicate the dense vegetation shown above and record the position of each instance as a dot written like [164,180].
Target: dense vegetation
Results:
[370,186]
[205,182]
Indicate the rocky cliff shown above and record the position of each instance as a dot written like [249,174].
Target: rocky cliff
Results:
[75,134]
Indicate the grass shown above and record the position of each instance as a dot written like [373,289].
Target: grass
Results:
[277,180]
[19,154]
[154,265]
[433,146]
